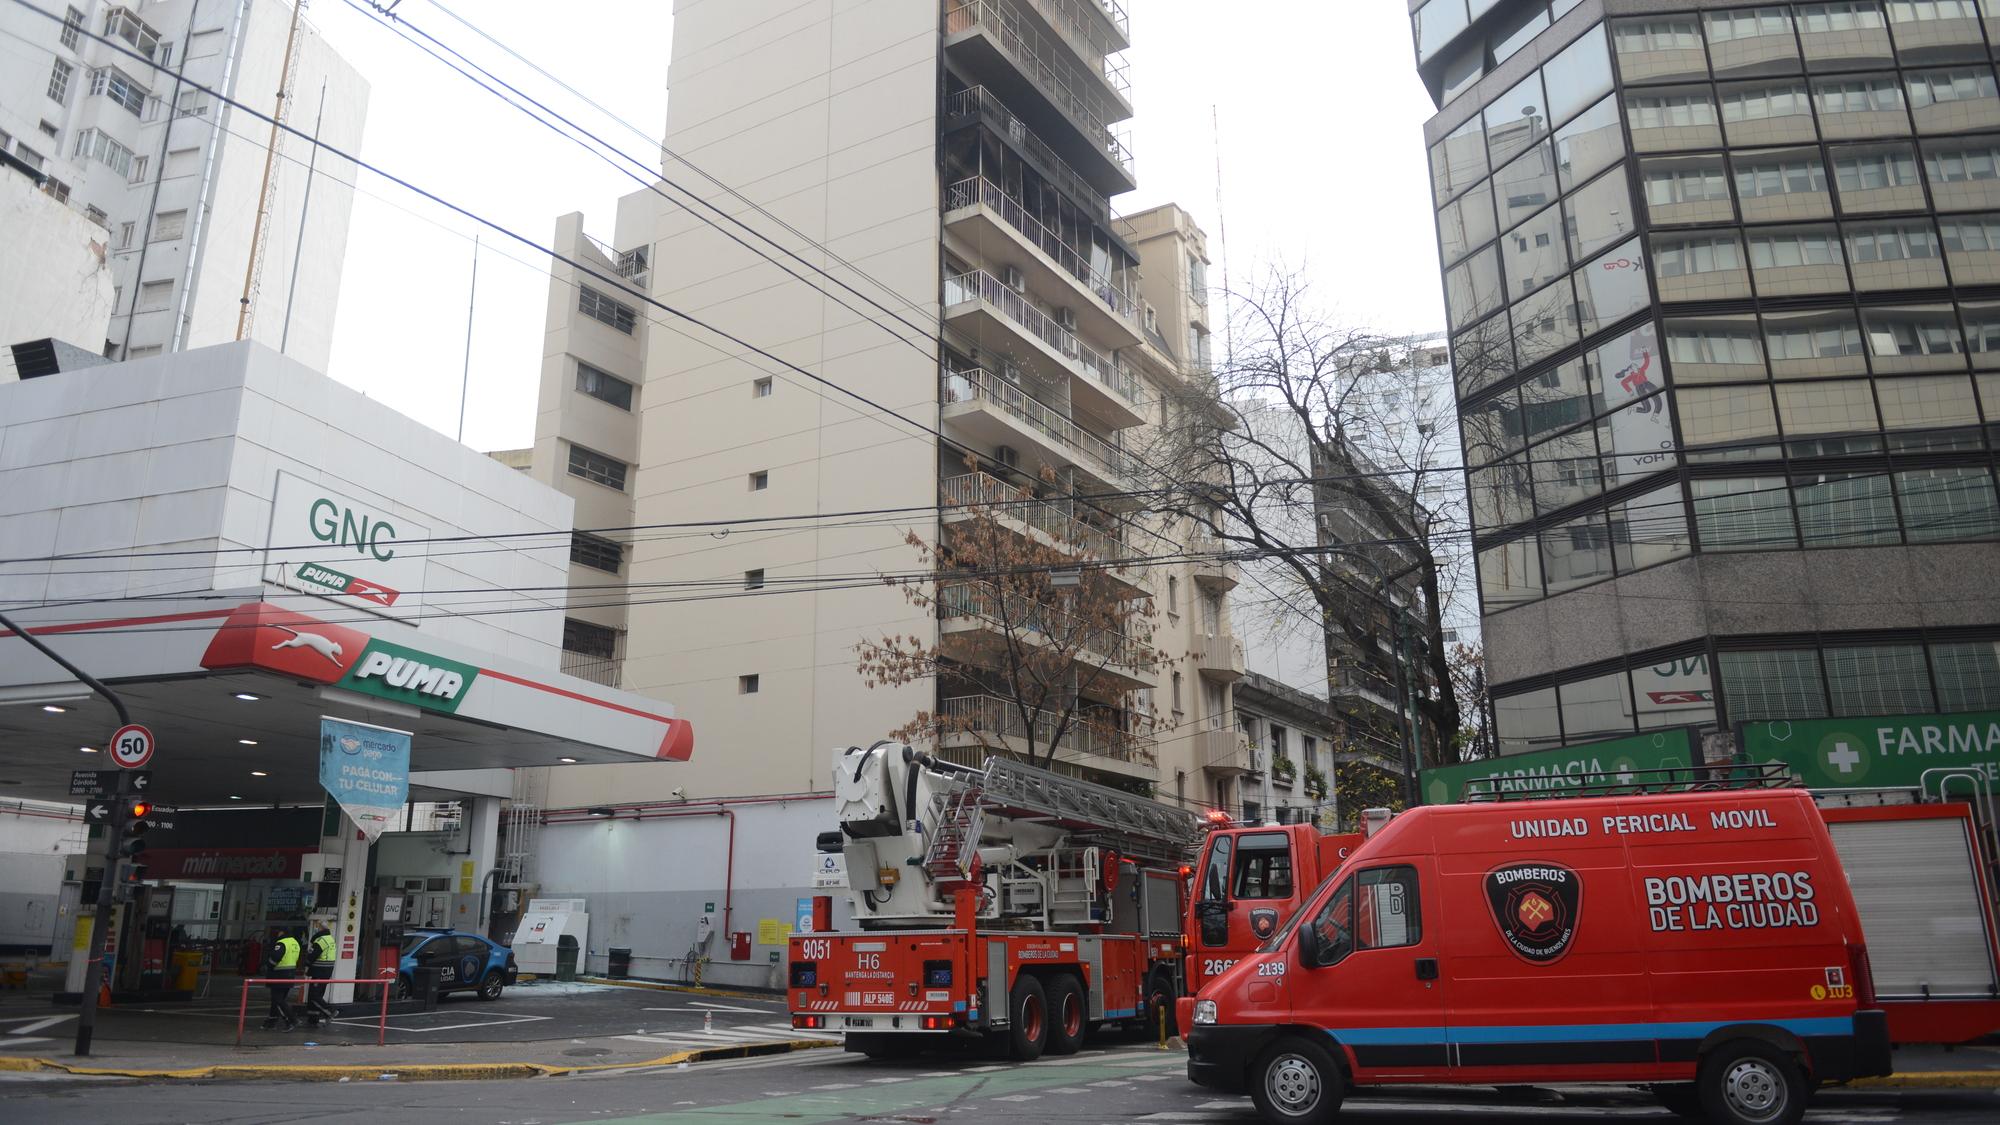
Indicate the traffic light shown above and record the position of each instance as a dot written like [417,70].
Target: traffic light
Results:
[134,814]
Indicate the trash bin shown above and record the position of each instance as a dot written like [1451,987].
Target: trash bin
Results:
[187,971]
[620,966]
[424,986]
[565,958]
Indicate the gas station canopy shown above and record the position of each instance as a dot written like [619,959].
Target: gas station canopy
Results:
[233,687]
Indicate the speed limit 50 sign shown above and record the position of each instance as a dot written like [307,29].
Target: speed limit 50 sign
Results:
[132,746]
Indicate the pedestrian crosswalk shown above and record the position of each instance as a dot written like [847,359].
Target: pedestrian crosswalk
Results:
[725,1036]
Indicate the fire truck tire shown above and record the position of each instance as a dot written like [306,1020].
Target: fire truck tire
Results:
[1297,1081]
[1069,1011]
[1750,1082]
[1028,1030]
[1160,1006]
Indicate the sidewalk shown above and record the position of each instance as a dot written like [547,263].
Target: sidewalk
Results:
[1973,1066]
[411,1062]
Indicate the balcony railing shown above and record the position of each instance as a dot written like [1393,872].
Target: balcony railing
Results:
[983,601]
[969,489]
[1091,732]
[1077,27]
[1054,68]
[978,189]
[597,669]
[980,102]
[982,286]
[976,383]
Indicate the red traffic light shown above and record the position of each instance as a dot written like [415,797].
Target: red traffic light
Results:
[138,809]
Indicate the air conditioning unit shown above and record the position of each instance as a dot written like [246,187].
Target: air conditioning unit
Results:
[1066,317]
[1012,278]
[1007,455]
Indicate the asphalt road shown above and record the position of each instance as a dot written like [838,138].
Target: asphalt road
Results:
[1122,1083]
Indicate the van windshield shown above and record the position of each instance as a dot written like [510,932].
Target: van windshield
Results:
[1305,906]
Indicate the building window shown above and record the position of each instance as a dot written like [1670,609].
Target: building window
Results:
[192,103]
[139,166]
[59,81]
[597,306]
[169,225]
[124,235]
[93,145]
[119,87]
[589,639]
[1772,685]
[747,685]
[1968,675]
[753,579]
[761,388]
[1177,693]
[1879,680]
[604,386]
[120,23]
[760,480]
[596,551]
[1173,593]
[155,294]
[594,466]
[72,28]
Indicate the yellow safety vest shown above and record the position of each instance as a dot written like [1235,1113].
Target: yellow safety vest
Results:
[288,953]
[323,949]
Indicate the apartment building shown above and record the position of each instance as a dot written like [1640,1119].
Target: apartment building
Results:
[1298,744]
[1724,307]
[951,166]
[174,177]
[46,238]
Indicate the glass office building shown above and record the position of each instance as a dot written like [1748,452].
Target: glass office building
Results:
[1723,283]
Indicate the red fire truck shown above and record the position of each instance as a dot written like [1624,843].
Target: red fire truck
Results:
[1004,901]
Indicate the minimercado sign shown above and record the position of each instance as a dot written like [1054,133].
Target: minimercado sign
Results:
[1883,752]
[1561,770]
[357,552]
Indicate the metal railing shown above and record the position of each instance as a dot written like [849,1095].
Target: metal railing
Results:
[978,189]
[968,489]
[1115,12]
[975,383]
[981,600]
[597,669]
[1100,368]
[1055,68]
[978,101]
[1078,28]
[1092,731]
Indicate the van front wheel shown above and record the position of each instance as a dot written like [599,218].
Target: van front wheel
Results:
[1296,1082]
[1746,1082]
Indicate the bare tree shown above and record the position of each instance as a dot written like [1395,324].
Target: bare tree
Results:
[1042,640]
[1334,458]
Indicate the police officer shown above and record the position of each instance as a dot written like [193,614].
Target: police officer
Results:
[282,964]
[319,970]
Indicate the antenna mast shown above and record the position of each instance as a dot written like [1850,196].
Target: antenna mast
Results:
[1222,240]
[260,235]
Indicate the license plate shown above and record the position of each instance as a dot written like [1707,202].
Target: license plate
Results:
[860,1021]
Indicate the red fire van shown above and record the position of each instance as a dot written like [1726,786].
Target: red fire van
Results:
[1703,944]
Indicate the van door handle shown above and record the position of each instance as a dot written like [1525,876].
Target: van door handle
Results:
[1427,968]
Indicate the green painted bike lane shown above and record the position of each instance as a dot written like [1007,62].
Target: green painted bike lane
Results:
[855,1097]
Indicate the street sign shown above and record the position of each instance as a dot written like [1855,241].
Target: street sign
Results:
[142,780]
[131,746]
[97,812]
[92,783]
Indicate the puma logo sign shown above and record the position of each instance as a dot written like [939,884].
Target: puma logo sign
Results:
[322,645]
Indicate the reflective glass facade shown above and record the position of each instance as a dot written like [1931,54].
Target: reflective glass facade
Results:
[1719,280]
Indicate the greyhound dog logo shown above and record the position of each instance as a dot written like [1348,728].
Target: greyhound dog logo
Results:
[325,646]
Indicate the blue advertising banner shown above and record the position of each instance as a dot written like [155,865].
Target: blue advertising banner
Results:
[366,770]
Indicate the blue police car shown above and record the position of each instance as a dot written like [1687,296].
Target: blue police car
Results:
[464,962]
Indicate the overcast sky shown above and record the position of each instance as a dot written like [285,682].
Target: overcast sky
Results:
[1321,156]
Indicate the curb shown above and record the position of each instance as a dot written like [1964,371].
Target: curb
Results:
[1946,1079]
[422,1072]
[692,990]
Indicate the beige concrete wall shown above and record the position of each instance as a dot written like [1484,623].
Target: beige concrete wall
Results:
[833,130]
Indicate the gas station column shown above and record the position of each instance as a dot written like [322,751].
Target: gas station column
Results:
[352,850]
[483,846]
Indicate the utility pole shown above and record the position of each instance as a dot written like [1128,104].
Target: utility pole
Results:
[107,883]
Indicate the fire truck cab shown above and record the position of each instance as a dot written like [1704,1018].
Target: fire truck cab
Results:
[1704,944]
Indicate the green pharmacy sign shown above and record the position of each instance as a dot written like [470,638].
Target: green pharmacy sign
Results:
[1883,752]
[1561,771]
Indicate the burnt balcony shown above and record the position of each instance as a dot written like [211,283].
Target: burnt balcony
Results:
[1072,101]
[1091,741]
[981,623]
[1017,508]
[982,212]
[1012,410]
[996,315]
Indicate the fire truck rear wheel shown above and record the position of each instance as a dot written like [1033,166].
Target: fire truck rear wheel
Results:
[1749,1082]
[1069,1011]
[1296,1081]
[1160,1006]
[1028,1008]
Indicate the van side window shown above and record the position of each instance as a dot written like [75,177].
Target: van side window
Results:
[1215,880]
[1376,909]
[1386,908]
[1264,866]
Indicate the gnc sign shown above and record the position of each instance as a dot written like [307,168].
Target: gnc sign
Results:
[356,551]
